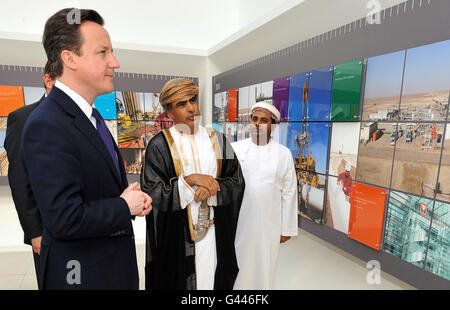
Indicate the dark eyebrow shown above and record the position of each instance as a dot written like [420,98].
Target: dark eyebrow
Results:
[104,47]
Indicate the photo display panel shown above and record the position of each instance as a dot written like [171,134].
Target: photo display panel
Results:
[33,94]
[281,97]
[152,106]
[243,130]
[244,94]
[298,97]
[344,148]
[339,191]
[319,95]
[346,96]
[220,103]
[232,104]
[11,98]
[426,83]
[3,123]
[132,160]
[438,258]
[264,92]
[294,130]
[376,153]
[3,157]
[312,139]
[280,133]
[418,149]
[443,185]
[106,106]
[112,127]
[131,115]
[366,214]
[229,130]
[311,193]
[407,227]
[383,87]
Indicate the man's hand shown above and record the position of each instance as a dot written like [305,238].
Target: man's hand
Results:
[147,205]
[36,244]
[283,239]
[205,181]
[132,187]
[139,203]
[201,194]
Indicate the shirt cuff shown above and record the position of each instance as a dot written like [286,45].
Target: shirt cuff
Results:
[185,191]
[291,233]
[212,201]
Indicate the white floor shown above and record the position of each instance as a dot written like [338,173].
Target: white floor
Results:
[305,262]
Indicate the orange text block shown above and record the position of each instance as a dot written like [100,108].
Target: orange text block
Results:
[11,98]
[366,214]
[232,104]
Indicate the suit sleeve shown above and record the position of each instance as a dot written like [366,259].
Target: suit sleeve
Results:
[27,210]
[53,165]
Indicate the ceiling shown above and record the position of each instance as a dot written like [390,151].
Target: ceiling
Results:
[194,27]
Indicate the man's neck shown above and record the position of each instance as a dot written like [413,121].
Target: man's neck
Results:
[260,142]
[185,129]
[73,85]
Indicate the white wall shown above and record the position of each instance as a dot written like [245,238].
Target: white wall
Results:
[174,26]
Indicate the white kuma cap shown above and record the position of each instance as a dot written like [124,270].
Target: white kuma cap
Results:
[270,109]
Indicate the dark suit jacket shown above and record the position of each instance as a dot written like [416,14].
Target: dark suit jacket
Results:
[27,210]
[87,229]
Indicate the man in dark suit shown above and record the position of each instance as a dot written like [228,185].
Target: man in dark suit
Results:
[75,169]
[27,210]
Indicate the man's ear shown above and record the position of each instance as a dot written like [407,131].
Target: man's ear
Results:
[48,82]
[169,110]
[68,59]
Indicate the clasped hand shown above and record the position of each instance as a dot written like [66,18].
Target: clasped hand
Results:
[139,203]
[207,186]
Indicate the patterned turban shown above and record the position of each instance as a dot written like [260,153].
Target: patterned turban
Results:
[177,90]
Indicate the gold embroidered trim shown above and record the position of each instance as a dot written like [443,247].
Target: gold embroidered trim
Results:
[178,170]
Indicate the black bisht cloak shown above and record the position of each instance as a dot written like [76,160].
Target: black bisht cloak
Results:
[170,249]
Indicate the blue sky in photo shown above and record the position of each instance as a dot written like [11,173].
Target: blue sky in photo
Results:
[384,75]
[320,88]
[318,142]
[296,96]
[427,68]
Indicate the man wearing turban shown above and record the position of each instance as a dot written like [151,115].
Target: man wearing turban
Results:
[197,186]
[268,214]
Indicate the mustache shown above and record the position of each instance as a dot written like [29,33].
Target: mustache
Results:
[192,115]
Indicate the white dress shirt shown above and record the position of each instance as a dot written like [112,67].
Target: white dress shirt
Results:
[80,101]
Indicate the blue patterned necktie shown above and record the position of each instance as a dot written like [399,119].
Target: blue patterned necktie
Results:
[106,137]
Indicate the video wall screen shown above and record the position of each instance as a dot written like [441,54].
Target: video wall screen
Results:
[370,140]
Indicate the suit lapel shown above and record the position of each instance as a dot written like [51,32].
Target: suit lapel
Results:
[86,128]
[123,173]
[92,135]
